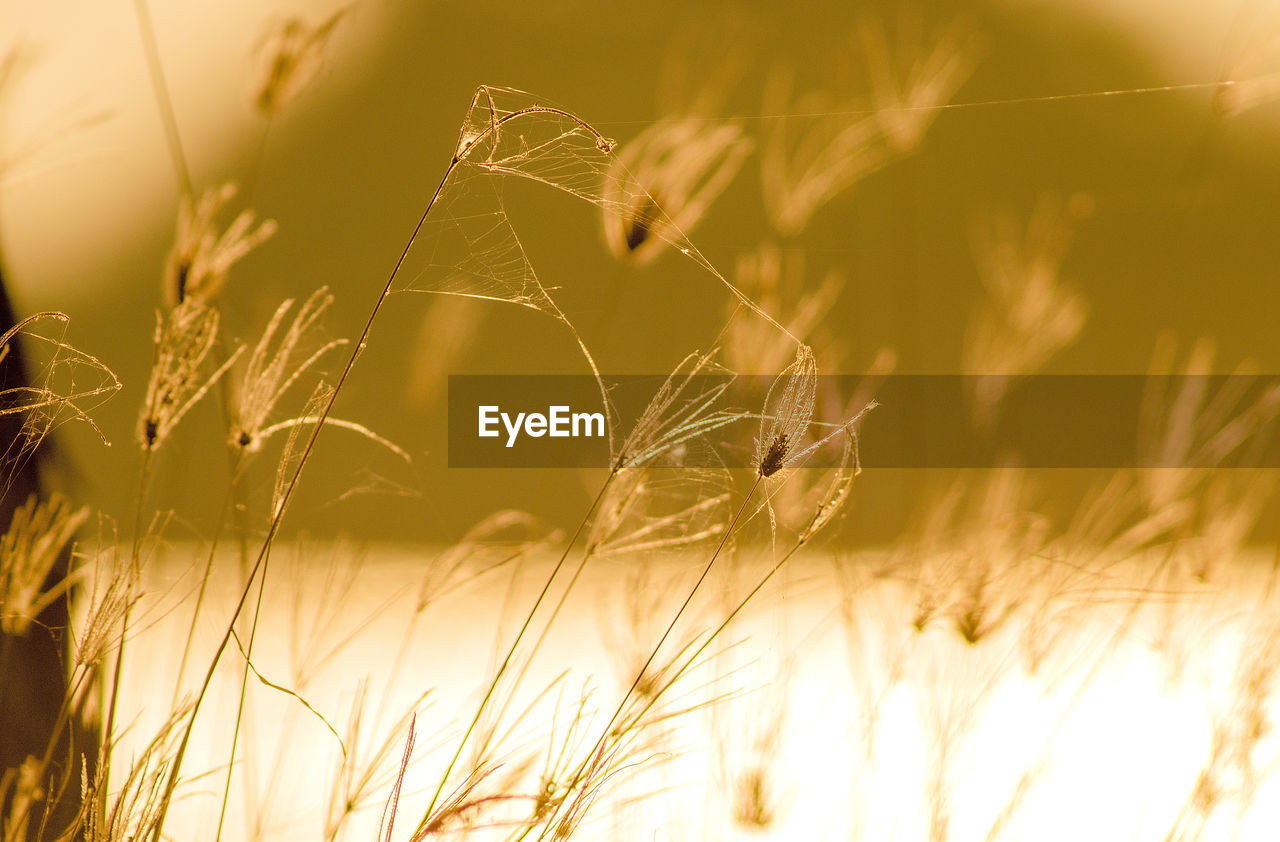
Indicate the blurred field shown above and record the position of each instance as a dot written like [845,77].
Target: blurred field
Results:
[1125,702]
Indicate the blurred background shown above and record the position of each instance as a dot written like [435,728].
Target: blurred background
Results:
[1154,206]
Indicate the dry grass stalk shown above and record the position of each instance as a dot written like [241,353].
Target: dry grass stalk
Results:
[29,549]
[1188,430]
[1029,313]
[108,604]
[135,807]
[274,368]
[202,254]
[915,74]
[666,179]
[832,153]
[184,341]
[787,414]
[776,279]
[289,55]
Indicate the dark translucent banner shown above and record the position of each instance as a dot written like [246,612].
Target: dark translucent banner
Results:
[921,421]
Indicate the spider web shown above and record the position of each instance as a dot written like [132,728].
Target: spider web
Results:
[467,245]
[66,384]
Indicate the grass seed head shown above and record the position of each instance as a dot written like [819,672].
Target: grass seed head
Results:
[184,340]
[290,55]
[201,256]
[662,183]
[36,537]
[274,367]
[915,74]
[786,417]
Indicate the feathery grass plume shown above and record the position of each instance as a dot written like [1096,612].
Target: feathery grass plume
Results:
[505,133]
[388,818]
[295,449]
[1120,549]
[107,605]
[322,576]
[535,779]
[650,510]
[748,739]
[273,371]
[1190,430]
[776,279]
[288,56]
[627,725]
[1029,313]
[832,153]
[668,177]
[833,503]
[914,75]
[201,257]
[682,410]
[1227,510]
[669,492]
[29,549]
[460,812]
[975,564]
[500,747]
[183,341]
[365,770]
[632,715]
[497,541]
[593,775]
[1227,783]
[274,367]
[787,414]
[556,767]
[996,545]
[23,789]
[134,807]
[1085,566]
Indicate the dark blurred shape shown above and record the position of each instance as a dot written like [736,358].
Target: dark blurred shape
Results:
[32,670]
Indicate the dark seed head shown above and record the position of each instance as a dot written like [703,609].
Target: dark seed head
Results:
[180,280]
[774,456]
[638,227]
